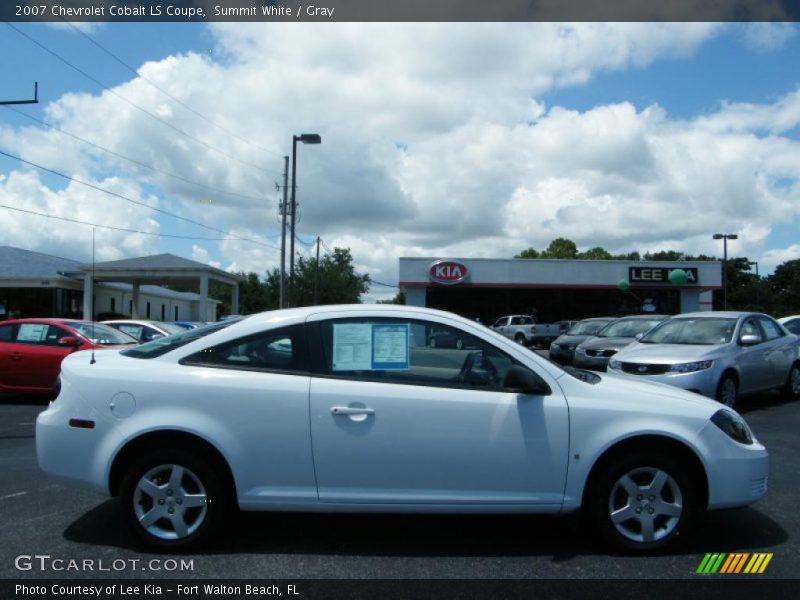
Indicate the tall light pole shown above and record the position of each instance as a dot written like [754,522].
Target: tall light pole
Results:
[758,284]
[725,237]
[306,138]
[283,230]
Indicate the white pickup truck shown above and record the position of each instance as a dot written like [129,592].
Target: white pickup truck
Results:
[524,330]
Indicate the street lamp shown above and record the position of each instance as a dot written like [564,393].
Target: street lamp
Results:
[725,237]
[306,138]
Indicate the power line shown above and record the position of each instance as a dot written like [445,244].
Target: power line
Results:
[383,284]
[163,91]
[132,160]
[137,107]
[131,200]
[124,229]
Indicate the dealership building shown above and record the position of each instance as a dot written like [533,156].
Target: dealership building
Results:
[558,289]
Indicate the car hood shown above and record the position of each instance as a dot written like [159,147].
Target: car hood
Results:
[667,353]
[603,343]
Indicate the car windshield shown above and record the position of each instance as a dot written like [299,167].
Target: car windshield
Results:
[163,345]
[587,327]
[700,331]
[628,327]
[100,334]
[170,328]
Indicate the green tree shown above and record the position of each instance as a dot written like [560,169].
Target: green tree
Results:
[561,248]
[784,283]
[596,253]
[336,280]
[529,253]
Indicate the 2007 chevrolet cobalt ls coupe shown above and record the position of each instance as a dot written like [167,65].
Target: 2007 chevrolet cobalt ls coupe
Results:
[346,408]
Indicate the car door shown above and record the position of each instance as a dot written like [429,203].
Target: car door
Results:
[39,355]
[9,357]
[755,372]
[394,423]
[780,351]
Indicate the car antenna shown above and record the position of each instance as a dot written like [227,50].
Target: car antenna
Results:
[94,334]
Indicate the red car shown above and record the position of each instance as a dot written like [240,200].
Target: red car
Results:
[31,350]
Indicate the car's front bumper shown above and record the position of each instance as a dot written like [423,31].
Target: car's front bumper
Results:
[737,473]
[583,360]
[562,354]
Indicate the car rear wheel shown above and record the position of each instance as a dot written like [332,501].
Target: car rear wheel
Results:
[642,503]
[728,391]
[172,499]
[520,339]
[792,388]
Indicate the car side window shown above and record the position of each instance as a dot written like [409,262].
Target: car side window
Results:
[750,327]
[280,350]
[770,327]
[135,331]
[793,326]
[40,334]
[395,351]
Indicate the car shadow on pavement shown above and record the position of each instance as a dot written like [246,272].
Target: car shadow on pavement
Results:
[563,538]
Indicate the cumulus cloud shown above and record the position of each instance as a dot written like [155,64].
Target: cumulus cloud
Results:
[435,142]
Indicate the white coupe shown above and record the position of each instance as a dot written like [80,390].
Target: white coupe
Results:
[347,408]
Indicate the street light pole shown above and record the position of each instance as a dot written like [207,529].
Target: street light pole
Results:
[306,138]
[283,229]
[758,285]
[725,237]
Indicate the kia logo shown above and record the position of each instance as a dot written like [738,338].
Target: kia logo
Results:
[448,272]
[642,369]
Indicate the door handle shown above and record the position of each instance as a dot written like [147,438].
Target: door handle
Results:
[351,410]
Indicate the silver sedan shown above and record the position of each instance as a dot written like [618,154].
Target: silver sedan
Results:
[721,355]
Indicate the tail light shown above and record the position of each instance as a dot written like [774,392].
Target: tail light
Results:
[533,329]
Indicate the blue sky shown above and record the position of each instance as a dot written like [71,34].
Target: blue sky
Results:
[438,139]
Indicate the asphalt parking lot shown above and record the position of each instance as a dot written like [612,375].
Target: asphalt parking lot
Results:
[41,516]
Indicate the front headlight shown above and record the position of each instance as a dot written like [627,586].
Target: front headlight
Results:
[733,426]
[555,346]
[580,350]
[614,364]
[691,367]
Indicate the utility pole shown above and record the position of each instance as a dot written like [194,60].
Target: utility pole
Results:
[281,302]
[34,101]
[316,274]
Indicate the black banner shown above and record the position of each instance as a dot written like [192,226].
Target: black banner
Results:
[400,10]
[707,588]
[661,274]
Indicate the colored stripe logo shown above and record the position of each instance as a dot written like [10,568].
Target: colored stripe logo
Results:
[735,563]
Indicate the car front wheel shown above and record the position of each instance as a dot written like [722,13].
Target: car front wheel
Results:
[792,388]
[172,499]
[727,391]
[642,503]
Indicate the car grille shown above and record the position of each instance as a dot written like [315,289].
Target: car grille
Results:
[642,369]
[601,353]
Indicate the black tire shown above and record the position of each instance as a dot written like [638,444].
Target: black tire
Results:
[791,390]
[520,339]
[172,499]
[727,391]
[642,503]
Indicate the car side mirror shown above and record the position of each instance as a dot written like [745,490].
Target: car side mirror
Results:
[749,339]
[525,381]
[70,340]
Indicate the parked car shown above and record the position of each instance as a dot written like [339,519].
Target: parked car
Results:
[595,352]
[144,331]
[443,338]
[563,347]
[31,350]
[519,328]
[226,417]
[791,323]
[545,334]
[721,355]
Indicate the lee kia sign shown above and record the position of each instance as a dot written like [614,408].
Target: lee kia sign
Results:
[448,272]
[659,274]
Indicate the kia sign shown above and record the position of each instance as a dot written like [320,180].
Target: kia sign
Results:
[448,272]
[660,274]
